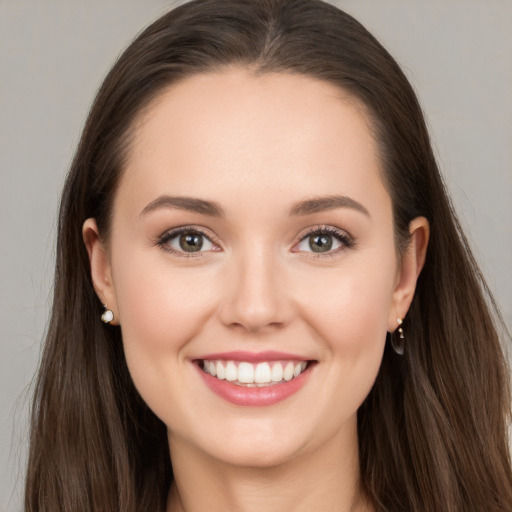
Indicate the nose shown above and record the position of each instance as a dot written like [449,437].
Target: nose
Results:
[256,297]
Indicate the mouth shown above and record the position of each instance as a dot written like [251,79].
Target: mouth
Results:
[254,380]
[246,374]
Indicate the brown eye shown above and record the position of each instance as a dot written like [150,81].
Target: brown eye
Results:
[325,240]
[191,242]
[320,243]
[185,242]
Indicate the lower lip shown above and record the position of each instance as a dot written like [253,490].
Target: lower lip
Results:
[255,397]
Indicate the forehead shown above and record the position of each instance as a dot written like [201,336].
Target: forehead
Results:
[232,133]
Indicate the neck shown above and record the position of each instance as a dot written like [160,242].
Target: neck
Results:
[326,478]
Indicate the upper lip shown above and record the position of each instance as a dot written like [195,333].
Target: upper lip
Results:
[253,357]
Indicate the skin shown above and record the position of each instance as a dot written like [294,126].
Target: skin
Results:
[256,145]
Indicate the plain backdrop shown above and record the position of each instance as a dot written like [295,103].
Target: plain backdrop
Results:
[53,56]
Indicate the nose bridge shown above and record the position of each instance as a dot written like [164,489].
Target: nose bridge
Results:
[256,296]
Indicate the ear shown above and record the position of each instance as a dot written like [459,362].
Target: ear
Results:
[101,272]
[409,270]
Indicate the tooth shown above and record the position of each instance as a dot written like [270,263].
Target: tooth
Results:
[231,371]
[245,373]
[253,375]
[221,372]
[277,372]
[288,372]
[262,374]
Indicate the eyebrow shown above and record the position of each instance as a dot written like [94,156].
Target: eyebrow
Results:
[213,209]
[320,204]
[191,204]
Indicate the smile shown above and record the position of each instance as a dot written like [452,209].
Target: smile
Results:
[246,379]
[243,373]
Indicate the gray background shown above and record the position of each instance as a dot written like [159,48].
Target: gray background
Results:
[53,55]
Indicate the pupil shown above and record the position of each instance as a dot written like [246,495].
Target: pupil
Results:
[191,243]
[320,243]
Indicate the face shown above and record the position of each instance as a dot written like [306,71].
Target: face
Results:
[252,235]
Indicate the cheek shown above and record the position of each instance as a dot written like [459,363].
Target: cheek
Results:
[353,308]
[158,302]
[160,311]
[350,317]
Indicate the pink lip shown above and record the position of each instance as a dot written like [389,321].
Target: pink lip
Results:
[253,357]
[268,395]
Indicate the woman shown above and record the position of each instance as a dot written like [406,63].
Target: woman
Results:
[291,313]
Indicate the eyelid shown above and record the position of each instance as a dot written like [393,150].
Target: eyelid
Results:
[342,236]
[345,239]
[163,239]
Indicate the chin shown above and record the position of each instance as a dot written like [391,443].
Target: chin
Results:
[252,446]
[253,454]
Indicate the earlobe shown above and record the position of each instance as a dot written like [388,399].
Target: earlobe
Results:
[411,265]
[100,266]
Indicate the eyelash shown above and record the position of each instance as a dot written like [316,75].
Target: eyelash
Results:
[346,240]
[342,237]
[169,235]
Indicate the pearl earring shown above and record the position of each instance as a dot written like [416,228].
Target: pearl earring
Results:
[108,315]
[398,345]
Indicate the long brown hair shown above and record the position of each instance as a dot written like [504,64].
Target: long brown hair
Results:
[433,430]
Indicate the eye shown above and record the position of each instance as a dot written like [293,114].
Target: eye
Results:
[325,241]
[187,242]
